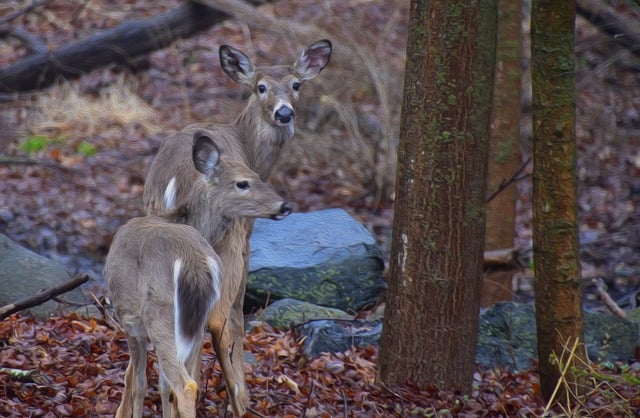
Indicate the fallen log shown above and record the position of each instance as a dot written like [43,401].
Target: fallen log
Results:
[124,44]
[43,296]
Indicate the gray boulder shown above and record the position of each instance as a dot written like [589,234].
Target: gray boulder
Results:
[326,258]
[23,273]
[336,336]
[508,336]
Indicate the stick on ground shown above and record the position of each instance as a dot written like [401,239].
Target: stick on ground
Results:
[43,296]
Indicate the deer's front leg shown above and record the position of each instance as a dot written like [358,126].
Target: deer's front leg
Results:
[226,322]
[227,332]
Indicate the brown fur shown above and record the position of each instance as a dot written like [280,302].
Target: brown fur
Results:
[166,301]
[256,138]
[139,273]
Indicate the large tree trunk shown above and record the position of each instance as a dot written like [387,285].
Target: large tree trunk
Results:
[122,44]
[555,231]
[504,154]
[431,317]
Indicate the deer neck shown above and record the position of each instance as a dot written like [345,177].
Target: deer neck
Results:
[262,141]
[200,214]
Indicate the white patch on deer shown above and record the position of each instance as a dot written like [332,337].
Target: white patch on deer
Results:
[183,345]
[214,267]
[170,195]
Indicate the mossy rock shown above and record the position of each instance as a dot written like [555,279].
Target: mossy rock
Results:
[288,313]
[326,258]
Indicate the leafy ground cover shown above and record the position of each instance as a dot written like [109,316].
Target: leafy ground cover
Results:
[74,367]
[91,141]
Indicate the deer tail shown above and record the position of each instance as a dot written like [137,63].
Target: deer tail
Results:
[196,291]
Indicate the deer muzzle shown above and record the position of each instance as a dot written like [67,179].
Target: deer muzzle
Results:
[285,210]
[284,115]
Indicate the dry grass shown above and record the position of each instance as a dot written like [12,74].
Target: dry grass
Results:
[64,112]
[584,390]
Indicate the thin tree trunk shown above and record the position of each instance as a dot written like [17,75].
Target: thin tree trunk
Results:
[555,232]
[504,154]
[431,316]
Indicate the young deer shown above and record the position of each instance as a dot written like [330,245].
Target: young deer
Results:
[165,280]
[256,137]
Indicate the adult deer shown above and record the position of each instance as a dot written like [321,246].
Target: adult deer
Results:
[256,136]
[165,280]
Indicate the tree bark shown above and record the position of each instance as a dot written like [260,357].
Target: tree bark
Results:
[555,231]
[504,153]
[122,45]
[431,317]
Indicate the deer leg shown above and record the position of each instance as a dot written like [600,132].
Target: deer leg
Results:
[168,408]
[178,389]
[227,332]
[135,380]
[231,361]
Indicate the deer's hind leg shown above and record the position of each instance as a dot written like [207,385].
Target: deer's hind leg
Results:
[178,389]
[135,380]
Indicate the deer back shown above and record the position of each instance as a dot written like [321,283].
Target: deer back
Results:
[161,271]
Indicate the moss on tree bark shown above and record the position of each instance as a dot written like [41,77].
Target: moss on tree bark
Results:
[431,318]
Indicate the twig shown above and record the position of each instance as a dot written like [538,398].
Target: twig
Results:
[77,11]
[563,374]
[8,18]
[601,288]
[43,296]
[31,42]
[106,315]
[308,403]
[27,376]
[517,176]
[254,412]
[344,403]
[4,160]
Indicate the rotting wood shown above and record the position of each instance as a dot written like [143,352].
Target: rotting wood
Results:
[124,45]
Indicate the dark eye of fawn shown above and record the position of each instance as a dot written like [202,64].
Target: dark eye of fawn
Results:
[296,86]
[262,88]
[242,185]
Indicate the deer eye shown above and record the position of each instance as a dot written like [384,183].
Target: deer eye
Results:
[295,86]
[262,88]
[242,185]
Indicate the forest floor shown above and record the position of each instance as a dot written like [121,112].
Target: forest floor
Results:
[91,142]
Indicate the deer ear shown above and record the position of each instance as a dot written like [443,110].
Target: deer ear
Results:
[313,59]
[205,154]
[237,65]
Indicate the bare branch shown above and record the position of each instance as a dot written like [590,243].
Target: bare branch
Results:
[11,16]
[517,176]
[43,296]
[606,299]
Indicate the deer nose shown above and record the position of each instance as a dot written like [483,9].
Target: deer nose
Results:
[286,208]
[284,115]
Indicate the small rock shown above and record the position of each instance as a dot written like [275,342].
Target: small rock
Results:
[288,313]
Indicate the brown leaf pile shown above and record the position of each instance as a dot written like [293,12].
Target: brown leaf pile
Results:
[77,366]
